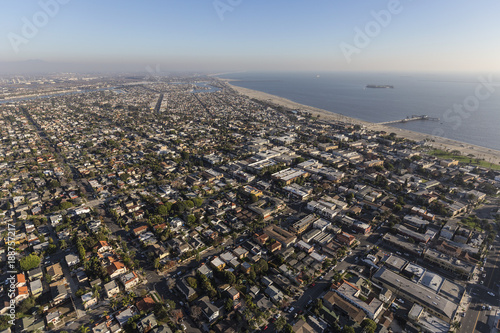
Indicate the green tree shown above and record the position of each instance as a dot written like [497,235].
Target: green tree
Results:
[348,329]
[280,323]
[157,263]
[192,282]
[26,305]
[288,328]
[191,219]
[163,210]
[29,262]
[198,202]
[62,244]
[369,326]
[229,305]
[83,329]
[4,323]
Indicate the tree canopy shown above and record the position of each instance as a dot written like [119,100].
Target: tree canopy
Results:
[29,262]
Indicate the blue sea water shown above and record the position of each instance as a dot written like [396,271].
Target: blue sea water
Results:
[469,111]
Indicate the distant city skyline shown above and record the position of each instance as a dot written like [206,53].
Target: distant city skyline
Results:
[239,35]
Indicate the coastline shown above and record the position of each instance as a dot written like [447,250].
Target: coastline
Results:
[487,154]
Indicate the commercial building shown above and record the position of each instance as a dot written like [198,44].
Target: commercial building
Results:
[300,226]
[289,175]
[461,268]
[433,302]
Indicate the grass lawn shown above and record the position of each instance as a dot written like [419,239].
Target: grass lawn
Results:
[463,159]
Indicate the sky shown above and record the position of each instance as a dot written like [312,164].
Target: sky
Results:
[234,35]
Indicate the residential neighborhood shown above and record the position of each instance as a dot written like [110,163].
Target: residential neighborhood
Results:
[180,205]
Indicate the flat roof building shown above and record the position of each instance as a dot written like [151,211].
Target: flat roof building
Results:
[462,268]
[429,299]
[284,237]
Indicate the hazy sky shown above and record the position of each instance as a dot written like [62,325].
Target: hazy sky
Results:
[424,35]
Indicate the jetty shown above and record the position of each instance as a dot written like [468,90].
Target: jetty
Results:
[412,118]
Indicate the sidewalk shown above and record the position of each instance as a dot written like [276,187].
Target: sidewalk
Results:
[493,321]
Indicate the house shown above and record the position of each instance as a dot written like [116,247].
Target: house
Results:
[205,270]
[55,219]
[103,246]
[274,294]
[161,329]
[53,317]
[261,239]
[145,304]
[245,267]
[147,323]
[20,280]
[217,263]
[185,289]
[233,293]
[59,294]
[116,269]
[55,271]
[276,246]
[88,300]
[101,327]
[32,324]
[21,294]
[140,230]
[71,259]
[176,223]
[160,251]
[209,310]
[302,326]
[36,288]
[111,288]
[81,276]
[240,252]
[123,316]
[35,273]
[129,280]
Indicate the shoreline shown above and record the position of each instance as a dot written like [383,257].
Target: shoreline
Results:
[483,153]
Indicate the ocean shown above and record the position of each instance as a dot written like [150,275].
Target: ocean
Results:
[467,105]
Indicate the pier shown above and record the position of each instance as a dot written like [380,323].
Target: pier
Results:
[407,119]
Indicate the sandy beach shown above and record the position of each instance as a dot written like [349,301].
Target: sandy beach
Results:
[487,154]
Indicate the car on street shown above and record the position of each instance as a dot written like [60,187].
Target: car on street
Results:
[491,294]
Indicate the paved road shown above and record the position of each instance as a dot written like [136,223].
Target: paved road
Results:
[477,319]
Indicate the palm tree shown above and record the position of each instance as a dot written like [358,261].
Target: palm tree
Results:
[84,329]
[95,290]
[113,303]
[157,263]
